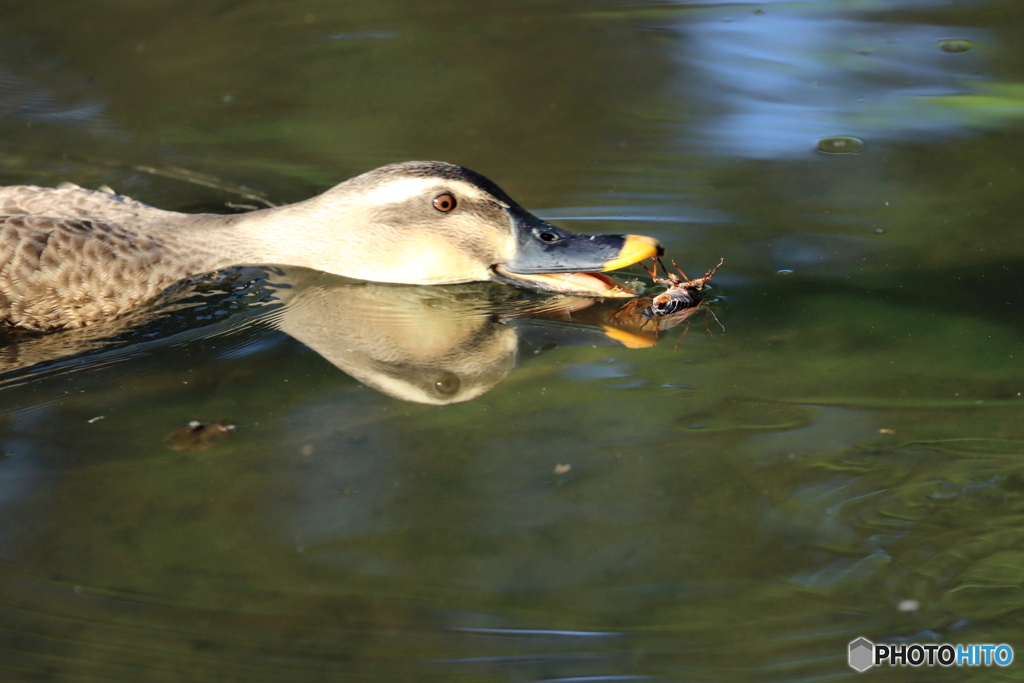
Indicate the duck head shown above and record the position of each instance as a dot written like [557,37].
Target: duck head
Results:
[429,222]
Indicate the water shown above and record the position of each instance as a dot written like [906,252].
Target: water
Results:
[529,492]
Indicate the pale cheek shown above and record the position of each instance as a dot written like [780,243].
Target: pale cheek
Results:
[428,260]
[507,248]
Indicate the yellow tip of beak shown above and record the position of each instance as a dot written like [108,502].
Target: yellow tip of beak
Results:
[636,249]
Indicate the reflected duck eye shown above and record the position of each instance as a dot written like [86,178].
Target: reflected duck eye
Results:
[444,202]
[447,384]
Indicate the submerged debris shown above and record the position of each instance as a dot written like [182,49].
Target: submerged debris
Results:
[955,45]
[841,144]
[197,437]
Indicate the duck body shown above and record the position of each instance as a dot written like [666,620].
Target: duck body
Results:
[70,257]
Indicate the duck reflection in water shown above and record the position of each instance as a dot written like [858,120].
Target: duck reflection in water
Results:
[435,345]
[439,345]
[448,344]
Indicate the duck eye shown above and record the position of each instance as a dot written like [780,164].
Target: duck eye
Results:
[447,384]
[548,237]
[444,202]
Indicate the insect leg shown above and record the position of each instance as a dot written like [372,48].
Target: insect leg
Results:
[676,266]
[711,273]
[678,341]
[652,273]
[708,309]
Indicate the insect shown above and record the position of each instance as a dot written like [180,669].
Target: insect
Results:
[682,292]
[672,307]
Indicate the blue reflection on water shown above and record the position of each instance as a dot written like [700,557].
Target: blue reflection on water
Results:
[771,84]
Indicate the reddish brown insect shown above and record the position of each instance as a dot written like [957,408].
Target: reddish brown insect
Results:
[672,307]
[682,293]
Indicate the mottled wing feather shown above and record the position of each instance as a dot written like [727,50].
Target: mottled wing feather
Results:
[70,257]
[61,273]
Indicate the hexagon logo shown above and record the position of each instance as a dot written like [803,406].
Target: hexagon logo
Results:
[862,654]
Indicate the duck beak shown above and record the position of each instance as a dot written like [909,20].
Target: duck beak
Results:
[554,260]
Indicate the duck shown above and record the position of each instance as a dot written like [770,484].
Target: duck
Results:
[72,257]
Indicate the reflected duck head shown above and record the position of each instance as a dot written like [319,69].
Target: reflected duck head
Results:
[433,345]
[430,222]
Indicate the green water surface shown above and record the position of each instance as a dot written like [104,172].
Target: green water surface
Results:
[846,459]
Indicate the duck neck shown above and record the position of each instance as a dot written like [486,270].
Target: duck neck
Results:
[300,234]
[341,232]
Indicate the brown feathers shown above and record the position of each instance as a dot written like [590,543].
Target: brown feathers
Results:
[69,257]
